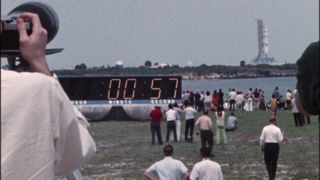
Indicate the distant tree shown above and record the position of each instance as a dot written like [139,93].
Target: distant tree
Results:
[175,66]
[81,66]
[148,63]
[156,64]
[242,63]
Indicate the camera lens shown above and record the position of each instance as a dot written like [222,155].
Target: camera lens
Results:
[48,17]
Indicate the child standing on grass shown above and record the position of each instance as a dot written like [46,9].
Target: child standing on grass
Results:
[220,127]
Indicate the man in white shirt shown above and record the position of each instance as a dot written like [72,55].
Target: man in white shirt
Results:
[168,168]
[171,116]
[232,101]
[269,141]
[206,169]
[41,136]
[189,114]
[239,103]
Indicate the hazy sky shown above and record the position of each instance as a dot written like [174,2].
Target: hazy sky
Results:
[102,32]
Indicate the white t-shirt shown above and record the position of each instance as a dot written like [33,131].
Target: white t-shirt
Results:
[233,95]
[207,98]
[168,169]
[171,115]
[206,170]
[271,134]
[189,112]
[40,134]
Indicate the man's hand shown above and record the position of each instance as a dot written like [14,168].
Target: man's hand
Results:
[33,46]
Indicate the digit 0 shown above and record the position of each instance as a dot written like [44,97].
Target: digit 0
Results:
[114,85]
[129,88]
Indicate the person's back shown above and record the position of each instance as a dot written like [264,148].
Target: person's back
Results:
[156,115]
[189,112]
[206,169]
[232,122]
[40,132]
[167,168]
[171,114]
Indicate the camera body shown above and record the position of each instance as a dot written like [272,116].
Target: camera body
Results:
[10,36]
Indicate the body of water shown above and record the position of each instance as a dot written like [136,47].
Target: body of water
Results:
[266,84]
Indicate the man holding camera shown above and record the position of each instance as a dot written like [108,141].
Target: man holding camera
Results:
[41,136]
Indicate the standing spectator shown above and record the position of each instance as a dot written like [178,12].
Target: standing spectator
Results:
[232,101]
[168,168]
[220,99]
[190,117]
[249,101]
[171,116]
[228,95]
[204,123]
[239,103]
[274,105]
[178,120]
[269,142]
[276,93]
[185,97]
[232,122]
[297,116]
[220,126]
[191,99]
[206,169]
[201,106]
[288,99]
[42,135]
[262,101]
[215,100]
[308,94]
[256,99]
[197,101]
[155,124]
[207,101]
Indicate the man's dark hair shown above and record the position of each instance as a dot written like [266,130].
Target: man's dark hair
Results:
[168,150]
[170,106]
[273,119]
[205,152]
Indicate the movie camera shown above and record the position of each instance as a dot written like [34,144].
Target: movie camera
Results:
[10,37]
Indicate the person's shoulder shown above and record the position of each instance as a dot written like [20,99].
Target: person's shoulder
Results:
[28,78]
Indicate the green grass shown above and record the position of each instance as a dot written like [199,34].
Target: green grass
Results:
[124,149]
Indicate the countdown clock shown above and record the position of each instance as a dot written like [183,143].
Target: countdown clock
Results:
[121,92]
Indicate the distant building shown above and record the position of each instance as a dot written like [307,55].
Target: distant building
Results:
[119,64]
[263,45]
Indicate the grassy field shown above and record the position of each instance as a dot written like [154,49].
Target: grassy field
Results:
[124,149]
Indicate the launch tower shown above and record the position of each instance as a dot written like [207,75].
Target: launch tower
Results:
[263,45]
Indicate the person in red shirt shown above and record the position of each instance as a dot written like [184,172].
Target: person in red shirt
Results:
[156,116]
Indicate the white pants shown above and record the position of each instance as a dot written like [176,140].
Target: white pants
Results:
[178,130]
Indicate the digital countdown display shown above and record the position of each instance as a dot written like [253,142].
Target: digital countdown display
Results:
[122,89]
